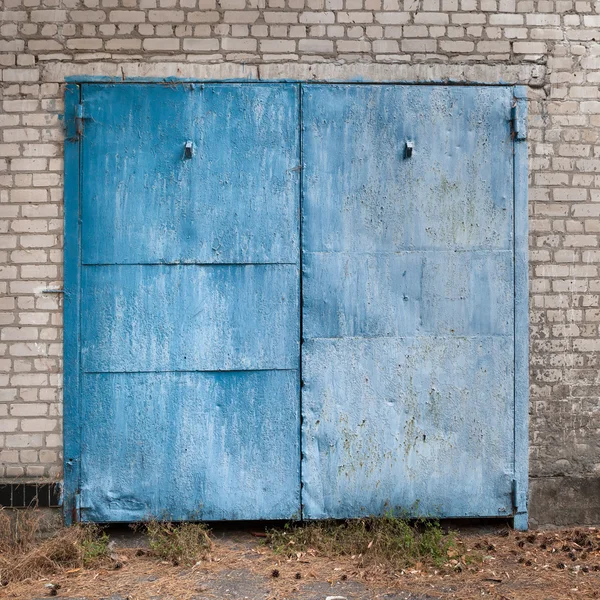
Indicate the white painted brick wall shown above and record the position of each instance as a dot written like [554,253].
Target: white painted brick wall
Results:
[549,44]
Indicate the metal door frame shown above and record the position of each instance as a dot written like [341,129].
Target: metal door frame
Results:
[74,126]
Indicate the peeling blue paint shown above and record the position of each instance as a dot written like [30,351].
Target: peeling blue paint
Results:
[408,314]
[190,303]
[184,311]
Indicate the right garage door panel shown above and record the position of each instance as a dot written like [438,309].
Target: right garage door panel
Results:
[408,300]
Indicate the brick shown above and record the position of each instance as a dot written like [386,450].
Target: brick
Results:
[458,46]
[29,409]
[353,46]
[316,46]
[411,31]
[23,441]
[580,240]
[21,75]
[162,44]
[20,105]
[569,194]
[18,333]
[493,47]
[127,16]
[354,17]
[28,195]
[48,16]
[506,19]
[240,16]
[166,16]
[87,16]
[123,44]
[543,20]
[590,107]
[419,45]
[282,17]
[383,46]
[312,18]
[529,47]
[29,164]
[205,45]
[277,46]
[591,20]
[29,349]
[37,425]
[431,18]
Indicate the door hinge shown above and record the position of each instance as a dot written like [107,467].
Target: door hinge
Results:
[519,497]
[76,508]
[79,121]
[518,119]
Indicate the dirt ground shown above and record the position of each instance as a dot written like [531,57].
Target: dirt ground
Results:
[492,563]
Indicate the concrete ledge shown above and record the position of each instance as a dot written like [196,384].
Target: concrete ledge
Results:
[563,501]
[526,74]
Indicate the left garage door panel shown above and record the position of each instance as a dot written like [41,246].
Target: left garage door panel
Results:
[151,318]
[189,302]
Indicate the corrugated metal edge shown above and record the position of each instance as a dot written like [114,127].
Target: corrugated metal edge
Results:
[72,253]
[521,214]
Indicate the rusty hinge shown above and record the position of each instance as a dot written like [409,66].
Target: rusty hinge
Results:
[519,497]
[76,508]
[518,119]
[79,120]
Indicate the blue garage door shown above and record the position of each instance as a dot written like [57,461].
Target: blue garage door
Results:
[226,241]
[408,292]
[189,302]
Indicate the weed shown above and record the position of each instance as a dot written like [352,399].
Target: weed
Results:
[395,541]
[181,543]
[94,545]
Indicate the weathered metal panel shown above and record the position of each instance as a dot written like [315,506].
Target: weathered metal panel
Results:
[403,293]
[231,202]
[423,423]
[190,318]
[362,195]
[190,302]
[408,373]
[182,445]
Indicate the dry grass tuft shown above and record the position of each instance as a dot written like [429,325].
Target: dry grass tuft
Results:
[389,540]
[26,554]
[180,543]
